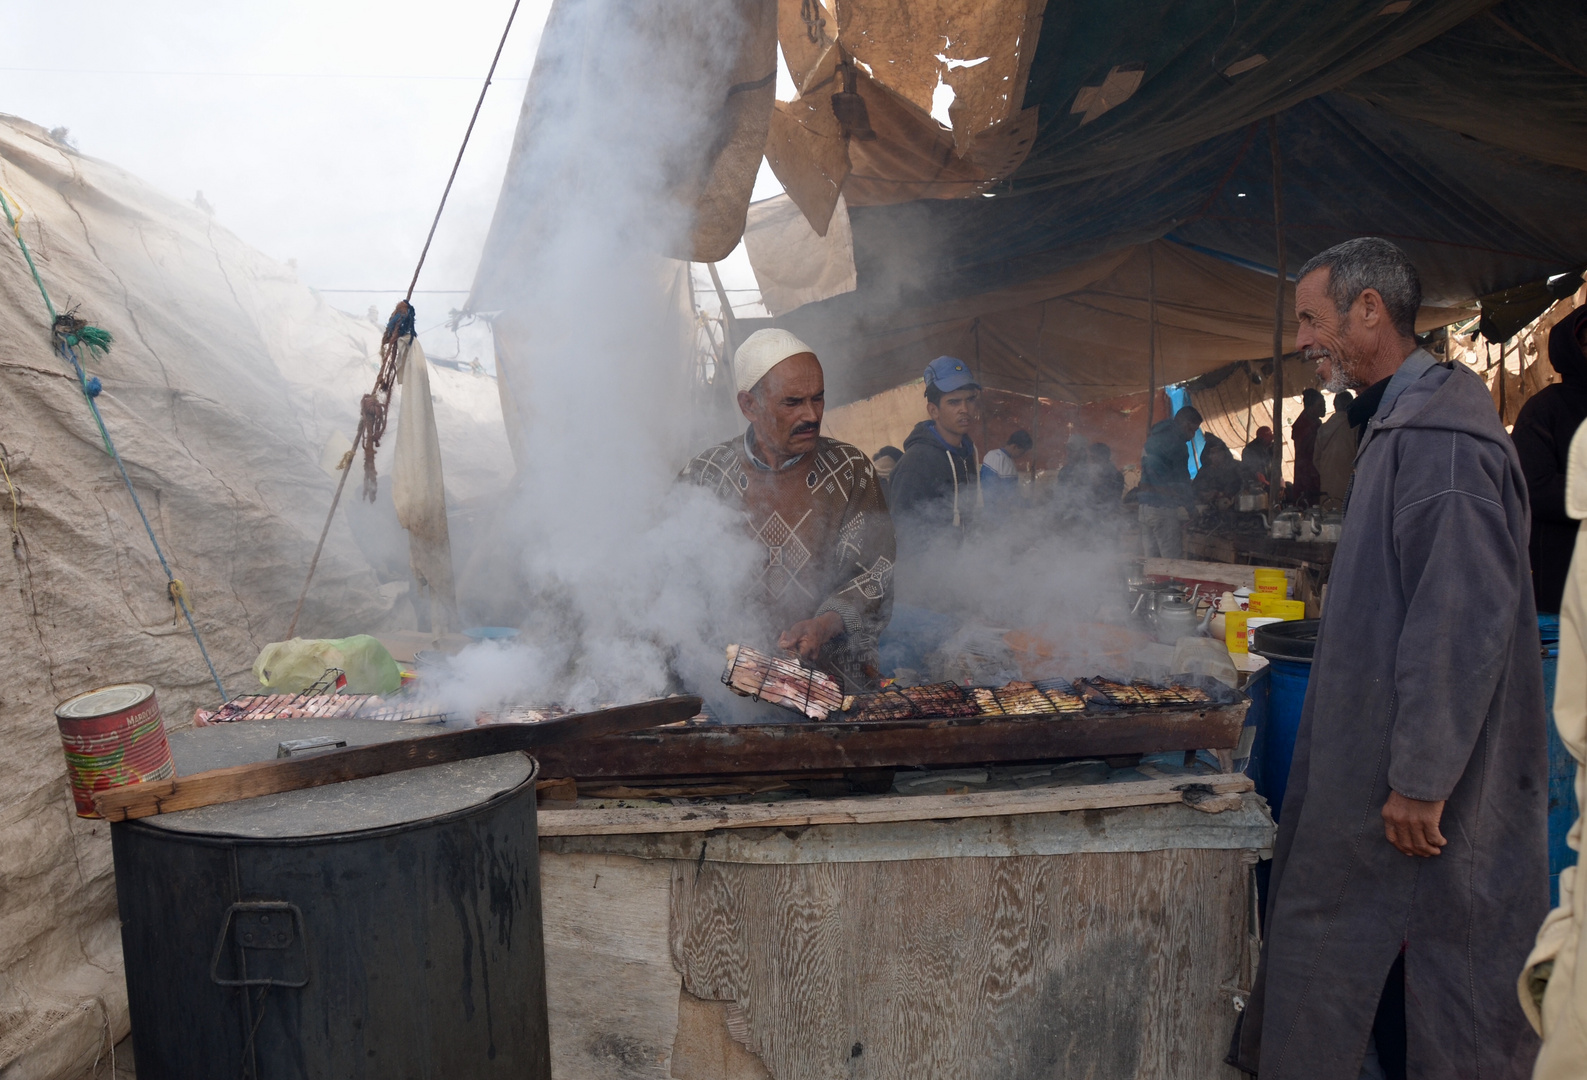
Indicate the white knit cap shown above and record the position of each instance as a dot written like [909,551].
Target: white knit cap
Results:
[762,351]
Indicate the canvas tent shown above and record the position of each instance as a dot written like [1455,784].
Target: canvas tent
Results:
[226,381]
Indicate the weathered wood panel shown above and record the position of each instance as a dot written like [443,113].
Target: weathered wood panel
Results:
[705,817]
[712,749]
[1101,966]
[1123,828]
[611,988]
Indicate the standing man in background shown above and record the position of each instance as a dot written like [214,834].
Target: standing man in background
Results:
[1410,871]
[936,486]
[1165,492]
[1335,453]
[1543,431]
[1308,484]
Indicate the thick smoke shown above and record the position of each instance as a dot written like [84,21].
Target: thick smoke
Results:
[626,584]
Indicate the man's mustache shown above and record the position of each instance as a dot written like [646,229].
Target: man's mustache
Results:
[1316,353]
[805,429]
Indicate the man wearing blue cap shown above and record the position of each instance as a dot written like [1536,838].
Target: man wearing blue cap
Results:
[935,487]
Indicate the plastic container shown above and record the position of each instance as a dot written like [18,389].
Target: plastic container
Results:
[1235,637]
[1271,580]
[1253,623]
[1270,604]
[112,736]
[1288,648]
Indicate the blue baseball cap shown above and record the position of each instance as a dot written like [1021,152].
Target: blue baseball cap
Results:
[948,374]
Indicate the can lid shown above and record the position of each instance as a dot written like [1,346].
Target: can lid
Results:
[104,701]
[375,802]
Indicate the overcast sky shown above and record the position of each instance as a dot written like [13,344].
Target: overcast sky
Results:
[320,131]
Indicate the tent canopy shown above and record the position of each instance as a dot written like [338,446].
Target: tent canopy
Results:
[1455,131]
[1457,128]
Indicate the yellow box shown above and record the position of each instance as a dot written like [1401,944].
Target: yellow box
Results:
[1270,580]
[1234,631]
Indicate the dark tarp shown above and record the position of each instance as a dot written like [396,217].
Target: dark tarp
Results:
[1185,48]
[1468,151]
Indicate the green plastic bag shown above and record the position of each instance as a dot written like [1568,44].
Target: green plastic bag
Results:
[291,667]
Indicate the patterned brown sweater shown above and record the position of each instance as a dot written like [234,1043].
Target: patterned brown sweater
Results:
[828,537]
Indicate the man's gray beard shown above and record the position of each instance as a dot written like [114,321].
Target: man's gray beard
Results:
[1338,379]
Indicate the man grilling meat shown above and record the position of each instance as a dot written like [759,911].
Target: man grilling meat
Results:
[815,504]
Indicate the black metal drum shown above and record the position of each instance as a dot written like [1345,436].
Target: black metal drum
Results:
[387,927]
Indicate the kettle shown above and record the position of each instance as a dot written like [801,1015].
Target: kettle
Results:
[1176,618]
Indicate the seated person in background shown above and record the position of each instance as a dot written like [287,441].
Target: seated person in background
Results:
[1107,482]
[885,461]
[1257,458]
[935,486]
[1217,483]
[1000,472]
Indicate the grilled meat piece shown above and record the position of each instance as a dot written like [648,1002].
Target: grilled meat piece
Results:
[942,700]
[781,681]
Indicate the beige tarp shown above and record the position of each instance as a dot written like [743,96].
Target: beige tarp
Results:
[226,379]
[418,490]
[1082,334]
[911,56]
[794,265]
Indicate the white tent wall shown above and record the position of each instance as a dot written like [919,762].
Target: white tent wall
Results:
[226,380]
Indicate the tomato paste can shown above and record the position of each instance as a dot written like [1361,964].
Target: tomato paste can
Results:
[112,736]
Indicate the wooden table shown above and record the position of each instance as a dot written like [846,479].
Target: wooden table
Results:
[1098,931]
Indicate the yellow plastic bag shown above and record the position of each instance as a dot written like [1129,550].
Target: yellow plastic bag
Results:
[291,667]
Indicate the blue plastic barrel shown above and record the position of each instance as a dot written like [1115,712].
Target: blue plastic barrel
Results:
[1288,648]
[1561,766]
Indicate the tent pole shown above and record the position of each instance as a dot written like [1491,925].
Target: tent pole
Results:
[1276,475]
[1503,405]
[1151,339]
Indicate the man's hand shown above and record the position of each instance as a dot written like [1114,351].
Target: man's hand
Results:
[1412,824]
[807,637]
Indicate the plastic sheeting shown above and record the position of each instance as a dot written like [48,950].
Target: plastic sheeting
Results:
[696,79]
[793,264]
[1080,334]
[939,80]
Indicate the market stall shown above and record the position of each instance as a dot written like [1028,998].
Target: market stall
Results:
[1103,928]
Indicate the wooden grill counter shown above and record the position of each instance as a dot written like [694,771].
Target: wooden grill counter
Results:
[1108,722]
[1100,929]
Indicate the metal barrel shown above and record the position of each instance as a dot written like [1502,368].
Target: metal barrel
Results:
[375,928]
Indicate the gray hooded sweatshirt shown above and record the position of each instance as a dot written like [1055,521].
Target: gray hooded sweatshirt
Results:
[1426,679]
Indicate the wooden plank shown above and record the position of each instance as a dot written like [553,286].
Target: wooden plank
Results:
[1232,573]
[701,749]
[611,989]
[1112,829]
[293,774]
[1107,966]
[702,818]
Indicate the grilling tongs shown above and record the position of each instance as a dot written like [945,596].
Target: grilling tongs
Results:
[292,774]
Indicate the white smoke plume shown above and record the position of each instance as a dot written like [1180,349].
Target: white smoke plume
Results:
[625,583]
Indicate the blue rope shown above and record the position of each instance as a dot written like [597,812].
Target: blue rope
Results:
[67,344]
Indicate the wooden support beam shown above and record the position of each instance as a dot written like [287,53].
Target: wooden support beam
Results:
[293,774]
[1205,792]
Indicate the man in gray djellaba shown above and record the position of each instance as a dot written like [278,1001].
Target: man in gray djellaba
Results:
[1410,871]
